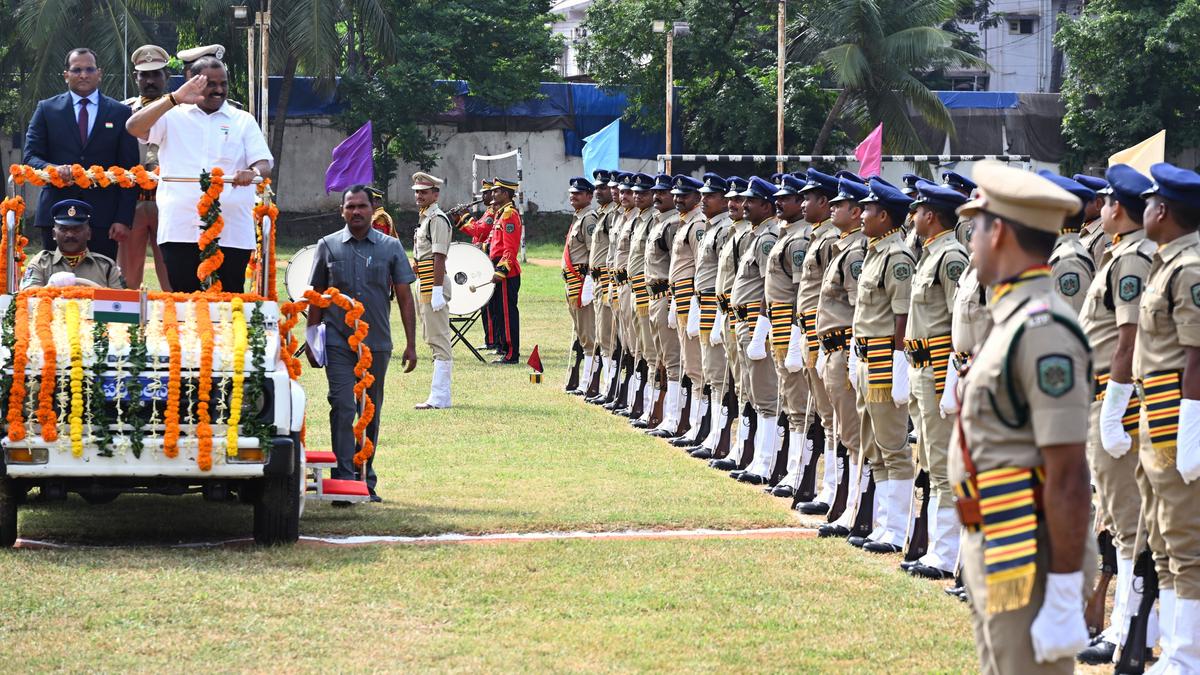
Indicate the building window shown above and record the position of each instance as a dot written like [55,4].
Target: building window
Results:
[1021,26]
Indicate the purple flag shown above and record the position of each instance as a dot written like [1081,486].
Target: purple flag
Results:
[352,163]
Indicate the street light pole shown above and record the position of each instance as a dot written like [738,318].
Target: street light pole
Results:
[670,90]
[779,79]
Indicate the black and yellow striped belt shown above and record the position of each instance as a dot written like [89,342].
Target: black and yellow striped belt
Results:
[747,310]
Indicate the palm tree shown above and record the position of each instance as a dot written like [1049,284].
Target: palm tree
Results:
[875,50]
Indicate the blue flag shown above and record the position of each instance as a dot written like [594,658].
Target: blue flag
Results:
[602,150]
[352,163]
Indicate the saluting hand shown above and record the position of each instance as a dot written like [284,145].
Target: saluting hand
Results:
[192,91]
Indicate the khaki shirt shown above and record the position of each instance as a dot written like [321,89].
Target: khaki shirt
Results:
[579,238]
[621,240]
[1169,319]
[637,242]
[615,231]
[598,250]
[99,269]
[685,245]
[1049,370]
[839,287]
[1095,239]
[658,245]
[433,233]
[816,260]
[941,264]
[716,231]
[731,253]
[1114,297]
[149,151]
[1072,266]
[750,280]
[972,320]
[963,232]
[786,262]
[885,287]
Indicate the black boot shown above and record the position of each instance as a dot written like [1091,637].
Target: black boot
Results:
[864,518]
[573,375]
[807,491]
[918,539]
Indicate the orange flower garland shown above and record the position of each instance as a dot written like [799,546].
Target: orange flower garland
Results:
[175,364]
[80,177]
[94,176]
[210,251]
[20,359]
[16,205]
[204,433]
[266,209]
[46,414]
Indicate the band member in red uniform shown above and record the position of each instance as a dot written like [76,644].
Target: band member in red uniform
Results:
[504,249]
[479,228]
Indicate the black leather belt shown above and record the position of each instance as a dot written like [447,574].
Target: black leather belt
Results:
[835,341]
[658,287]
[622,276]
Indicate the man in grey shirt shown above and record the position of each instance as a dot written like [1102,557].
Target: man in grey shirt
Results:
[366,265]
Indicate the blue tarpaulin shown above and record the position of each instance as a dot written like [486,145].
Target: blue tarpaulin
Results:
[987,100]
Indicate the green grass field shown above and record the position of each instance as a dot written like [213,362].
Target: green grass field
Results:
[509,457]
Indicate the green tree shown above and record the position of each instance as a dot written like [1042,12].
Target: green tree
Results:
[875,51]
[1130,73]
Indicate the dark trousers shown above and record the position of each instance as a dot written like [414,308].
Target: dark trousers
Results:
[182,259]
[508,317]
[489,332]
[339,372]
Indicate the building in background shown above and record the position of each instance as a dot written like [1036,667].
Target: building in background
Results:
[570,26]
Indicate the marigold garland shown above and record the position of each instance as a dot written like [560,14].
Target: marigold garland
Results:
[266,208]
[211,226]
[94,176]
[75,417]
[46,414]
[20,359]
[238,359]
[15,205]
[204,432]
[174,386]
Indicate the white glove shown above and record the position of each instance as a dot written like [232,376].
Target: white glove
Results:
[672,321]
[900,388]
[852,366]
[1113,437]
[1059,630]
[949,404]
[794,360]
[717,336]
[588,294]
[1187,455]
[315,336]
[61,279]
[693,323]
[822,359]
[438,300]
[757,350]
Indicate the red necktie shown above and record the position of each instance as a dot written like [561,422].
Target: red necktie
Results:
[83,121]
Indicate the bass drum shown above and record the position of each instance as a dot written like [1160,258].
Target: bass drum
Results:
[299,271]
[467,266]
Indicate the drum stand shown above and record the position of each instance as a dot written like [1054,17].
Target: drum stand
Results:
[460,325]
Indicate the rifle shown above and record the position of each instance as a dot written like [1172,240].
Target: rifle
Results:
[573,374]
[918,535]
[1133,653]
[1093,614]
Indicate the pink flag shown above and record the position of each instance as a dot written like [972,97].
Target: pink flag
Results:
[869,153]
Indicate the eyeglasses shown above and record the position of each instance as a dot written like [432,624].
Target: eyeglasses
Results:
[90,70]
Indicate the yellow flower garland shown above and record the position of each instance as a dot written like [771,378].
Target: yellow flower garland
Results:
[237,364]
[76,415]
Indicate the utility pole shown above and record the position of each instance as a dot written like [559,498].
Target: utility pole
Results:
[779,79]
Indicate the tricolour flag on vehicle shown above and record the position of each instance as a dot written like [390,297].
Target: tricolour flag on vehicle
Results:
[117,306]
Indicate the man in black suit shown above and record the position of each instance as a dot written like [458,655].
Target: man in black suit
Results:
[85,127]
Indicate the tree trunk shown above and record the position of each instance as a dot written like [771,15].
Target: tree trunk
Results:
[280,121]
[830,119]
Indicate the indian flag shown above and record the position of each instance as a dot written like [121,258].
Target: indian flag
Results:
[117,306]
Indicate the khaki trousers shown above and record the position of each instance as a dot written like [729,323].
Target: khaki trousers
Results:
[793,393]
[606,336]
[583,319]
[843,401]
[884,433]
[644,340]
[733,355]
[821,403]
[933,435]
[689,350]
[758,377]
[666,340]
[715,366]
[1177,518]
[1116,486]
[624,314]
[435,329]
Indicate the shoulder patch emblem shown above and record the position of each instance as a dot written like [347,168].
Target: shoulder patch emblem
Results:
[1068,284]
[767,246]
[798,257]
[509,227]
[1056,374]
[1130,287]
[1196,294]
[856,268]
[591,228]
[955,269]
[700,234]
[902,271]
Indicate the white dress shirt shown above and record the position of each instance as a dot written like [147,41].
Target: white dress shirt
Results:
[93,108]
[189,141]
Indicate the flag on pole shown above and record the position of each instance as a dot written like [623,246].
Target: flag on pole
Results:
[602,150]
[1141,156]
[535,361]
[352,161]
[869,153]
[117,306]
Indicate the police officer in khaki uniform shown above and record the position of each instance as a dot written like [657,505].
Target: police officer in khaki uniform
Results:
[431,243]
[754,326]
[611,293]
[727,266]
[71,263]
[685,245]
[927,343]
[1071,262]
[588,354]
[1164,363]
[622,295]
[1109,317]
[606,338]
[641,384]
[1017,459]
[880,315]
[964,186]
[835,318]
[580,287]
[662,311]
[717,224]
[1092,233]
